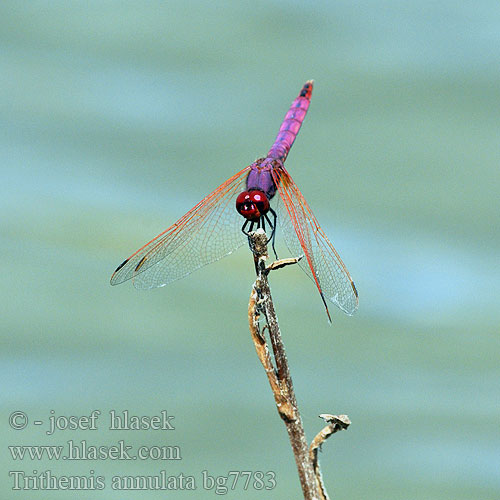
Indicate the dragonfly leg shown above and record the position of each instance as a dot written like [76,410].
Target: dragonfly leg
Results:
[261,223]
[273,228]
[244,227]
[247,233]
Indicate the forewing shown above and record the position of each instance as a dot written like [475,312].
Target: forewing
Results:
[304,236]
[208,232]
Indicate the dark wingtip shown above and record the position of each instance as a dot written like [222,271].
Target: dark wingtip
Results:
[141,262]
[113,276]
[326,308]
[121,265]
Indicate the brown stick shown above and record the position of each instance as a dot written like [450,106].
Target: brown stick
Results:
[279,378]
[335,423]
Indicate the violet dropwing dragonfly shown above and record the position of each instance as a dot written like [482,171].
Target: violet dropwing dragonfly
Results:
[213,228]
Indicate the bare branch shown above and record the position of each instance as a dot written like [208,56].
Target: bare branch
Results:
[335,423]
[278,264]
[282,403]
[261,307]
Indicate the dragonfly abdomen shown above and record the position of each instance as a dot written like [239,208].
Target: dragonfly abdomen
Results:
[291,124]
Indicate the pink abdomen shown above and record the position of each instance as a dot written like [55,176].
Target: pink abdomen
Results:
[291,124]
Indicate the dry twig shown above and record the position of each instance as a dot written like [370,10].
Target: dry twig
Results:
[279,375]
[335,423]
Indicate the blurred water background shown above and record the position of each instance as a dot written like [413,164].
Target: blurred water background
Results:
[117,117]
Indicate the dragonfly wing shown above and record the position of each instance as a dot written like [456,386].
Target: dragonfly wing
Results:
[208,232]
[304,236]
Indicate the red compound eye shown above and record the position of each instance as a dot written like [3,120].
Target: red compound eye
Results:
[252,204]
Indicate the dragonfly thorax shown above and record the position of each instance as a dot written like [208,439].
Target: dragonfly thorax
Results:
[260,177]
[252,204]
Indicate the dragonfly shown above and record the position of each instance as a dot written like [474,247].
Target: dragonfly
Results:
[213,228]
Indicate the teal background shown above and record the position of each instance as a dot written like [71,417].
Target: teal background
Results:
[118,117]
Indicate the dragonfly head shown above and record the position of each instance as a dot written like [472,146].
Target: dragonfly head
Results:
[252,204]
